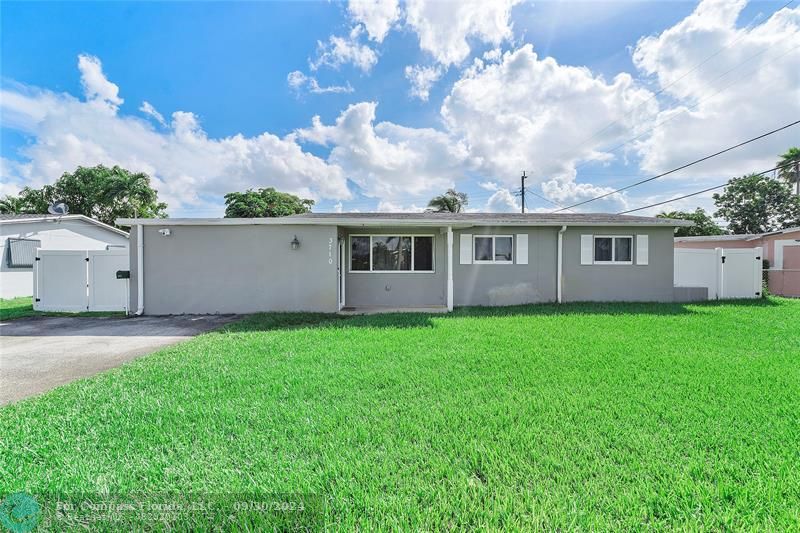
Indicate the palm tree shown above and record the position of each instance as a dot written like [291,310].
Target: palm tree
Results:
[789,170]
[11,205]
[126,192]
[450,202]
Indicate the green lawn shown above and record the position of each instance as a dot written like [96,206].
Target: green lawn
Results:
[580,416]
[13,308]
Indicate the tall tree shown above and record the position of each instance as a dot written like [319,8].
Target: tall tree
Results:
[99,192]
[28,201]
[757,204]
[703,223]
[451,201]
[11,205]
[264,203]
[790,161]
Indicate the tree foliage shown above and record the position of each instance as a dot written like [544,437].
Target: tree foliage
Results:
[102,193]
[789,171]
[703,223]
[11,205]
[757,204]
[451,201]
[264,203]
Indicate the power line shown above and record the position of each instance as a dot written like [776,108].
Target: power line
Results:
[522,191]
[528,191]
[696,161]
[695,193]
[672,199]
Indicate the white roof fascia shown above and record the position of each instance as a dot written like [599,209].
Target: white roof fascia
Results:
[57,218]
[779,232]
[360,222]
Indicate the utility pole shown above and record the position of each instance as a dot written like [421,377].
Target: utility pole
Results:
[522,180]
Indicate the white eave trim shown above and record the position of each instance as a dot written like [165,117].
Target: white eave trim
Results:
[56,218]
[360,222]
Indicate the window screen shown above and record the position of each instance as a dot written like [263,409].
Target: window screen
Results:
[613,249]
[391,253]
[493,249]
[359,256]
[21,253]
[423,253]
[622,249]
[483,249]
[502,248]
[602,249]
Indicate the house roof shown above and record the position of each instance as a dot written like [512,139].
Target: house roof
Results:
[780,232]
[743,237]
[27,218]
[423,219]
[21,216]
[702,238]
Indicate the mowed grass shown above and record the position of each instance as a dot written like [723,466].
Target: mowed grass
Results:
[21,307]
[583,416]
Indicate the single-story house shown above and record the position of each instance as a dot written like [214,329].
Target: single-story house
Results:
[781,250]
[358,261]
[23,234]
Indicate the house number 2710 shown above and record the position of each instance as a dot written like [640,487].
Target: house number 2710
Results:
[330,250]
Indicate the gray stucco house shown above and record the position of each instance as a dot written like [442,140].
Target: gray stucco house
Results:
[330,262]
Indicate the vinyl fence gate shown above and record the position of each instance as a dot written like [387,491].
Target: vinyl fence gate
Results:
[726,272]
[80,280]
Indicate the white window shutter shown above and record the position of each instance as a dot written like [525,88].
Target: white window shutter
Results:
[642,249]
[465,249]
[586,249]
[522,248]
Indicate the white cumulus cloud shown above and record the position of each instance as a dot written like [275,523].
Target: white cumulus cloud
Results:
[299,81]
[189,168]
[392,207]
[443,28]
[377,16]
[386,160]
[502,201]
[95,84]
[751,85]
[338,51]
[148,109]
[527,113]
[422,79]
[567,192]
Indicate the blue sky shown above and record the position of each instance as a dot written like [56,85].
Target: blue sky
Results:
[226,67]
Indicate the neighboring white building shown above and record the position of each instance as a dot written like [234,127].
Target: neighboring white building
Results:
[22,234]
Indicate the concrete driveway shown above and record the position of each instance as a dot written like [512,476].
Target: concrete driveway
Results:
[40,353]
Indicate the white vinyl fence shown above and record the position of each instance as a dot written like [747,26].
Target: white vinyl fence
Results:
[726,272]
[80,280]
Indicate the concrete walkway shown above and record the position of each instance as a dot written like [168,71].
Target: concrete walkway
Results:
[376,310]
[40,353]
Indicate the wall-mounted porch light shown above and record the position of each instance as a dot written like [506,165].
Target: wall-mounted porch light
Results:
[295,243]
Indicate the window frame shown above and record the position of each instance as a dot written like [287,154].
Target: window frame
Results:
[613,250]
[493,260]
[398,235]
